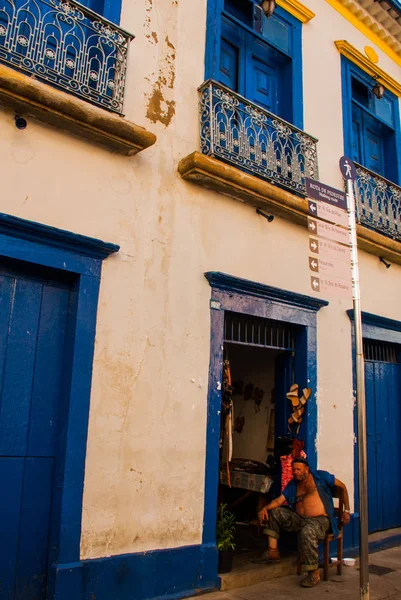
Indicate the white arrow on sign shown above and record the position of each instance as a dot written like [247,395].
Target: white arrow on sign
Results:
[314,264]
[312,207]
[313,245]
[315,283]
[329,231]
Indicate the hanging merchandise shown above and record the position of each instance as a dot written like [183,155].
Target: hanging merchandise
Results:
[298,405]
[228,414]
[286,468]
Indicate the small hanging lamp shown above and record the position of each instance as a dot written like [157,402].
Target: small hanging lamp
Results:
[378,89]
[268,7]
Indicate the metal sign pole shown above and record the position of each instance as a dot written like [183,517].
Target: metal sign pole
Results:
[360,402]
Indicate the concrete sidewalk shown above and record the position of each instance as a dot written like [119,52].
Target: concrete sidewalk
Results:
[344,587]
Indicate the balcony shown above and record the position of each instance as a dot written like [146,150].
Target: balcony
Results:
[243,134]
[64,44]
[378,203]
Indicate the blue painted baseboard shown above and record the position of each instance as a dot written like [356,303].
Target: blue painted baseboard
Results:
[171,573]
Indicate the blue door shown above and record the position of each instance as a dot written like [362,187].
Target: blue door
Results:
[33,317]
[383,418]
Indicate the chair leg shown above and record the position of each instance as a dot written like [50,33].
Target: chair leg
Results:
[340,556]
[326,560]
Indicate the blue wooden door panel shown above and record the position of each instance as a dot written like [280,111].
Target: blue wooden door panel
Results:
[383,414]
[48,372]
[262,81]
[371,444]
[18,369]
[95,5]
[33,319]
[389,444]
[35,505]
[11,478]
[374,146]
[232,56]
[229,58]
[357,135]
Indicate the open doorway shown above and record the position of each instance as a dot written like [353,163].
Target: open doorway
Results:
[255,440]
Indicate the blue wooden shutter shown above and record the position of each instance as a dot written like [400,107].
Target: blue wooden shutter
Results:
[232,55]
[356,142]
[374,145]
[262,77]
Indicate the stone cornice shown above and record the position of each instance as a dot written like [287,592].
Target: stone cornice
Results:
[216,175]
[229,283]
[31,98]
[359,59]
[374,22]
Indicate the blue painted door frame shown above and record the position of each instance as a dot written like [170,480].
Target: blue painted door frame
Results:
[243,296]
[80,257]
[381,329]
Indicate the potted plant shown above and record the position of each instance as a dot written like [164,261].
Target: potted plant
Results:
[225,535]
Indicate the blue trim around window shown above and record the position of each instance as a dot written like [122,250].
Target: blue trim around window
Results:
[80,256]
[212,53]
[348,70]
[244,296]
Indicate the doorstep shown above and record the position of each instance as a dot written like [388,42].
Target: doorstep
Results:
[245,572]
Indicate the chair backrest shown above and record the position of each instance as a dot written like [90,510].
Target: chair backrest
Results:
[338,492]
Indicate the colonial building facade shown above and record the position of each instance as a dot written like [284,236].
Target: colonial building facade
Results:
[153,225]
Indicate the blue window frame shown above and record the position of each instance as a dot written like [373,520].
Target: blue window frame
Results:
[371,126]
[259,58]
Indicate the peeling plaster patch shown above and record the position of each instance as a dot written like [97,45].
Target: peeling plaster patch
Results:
[160,108]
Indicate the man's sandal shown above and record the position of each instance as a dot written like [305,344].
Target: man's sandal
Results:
[312,579]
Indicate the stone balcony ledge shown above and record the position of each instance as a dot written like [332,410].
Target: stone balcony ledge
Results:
[221,177]
[31,98]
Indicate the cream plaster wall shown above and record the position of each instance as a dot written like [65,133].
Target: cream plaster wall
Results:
[144,479]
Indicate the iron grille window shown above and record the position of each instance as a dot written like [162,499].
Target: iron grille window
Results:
[380,351]
[256,331]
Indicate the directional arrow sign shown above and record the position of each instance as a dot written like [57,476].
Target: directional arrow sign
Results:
[326,230]
[325,193]
[326,249]
[321,210]
[331,286]
[330,267]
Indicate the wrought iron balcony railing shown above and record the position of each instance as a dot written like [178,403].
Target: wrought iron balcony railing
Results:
[67,45]
[378,203]
[244,134]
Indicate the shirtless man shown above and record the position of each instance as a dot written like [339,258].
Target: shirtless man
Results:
[310,512]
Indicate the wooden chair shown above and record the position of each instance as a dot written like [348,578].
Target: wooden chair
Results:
[337,493]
